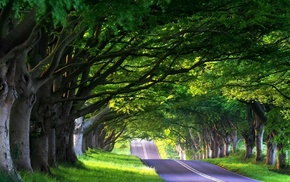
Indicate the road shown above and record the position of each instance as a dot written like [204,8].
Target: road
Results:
[182,170]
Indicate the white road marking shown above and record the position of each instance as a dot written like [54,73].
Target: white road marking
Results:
[136,145]
[145,151]
[198,172]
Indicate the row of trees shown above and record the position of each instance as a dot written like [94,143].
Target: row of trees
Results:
[105,61]
[228,102]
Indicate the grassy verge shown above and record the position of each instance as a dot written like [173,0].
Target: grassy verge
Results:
[99,166]
[249,168]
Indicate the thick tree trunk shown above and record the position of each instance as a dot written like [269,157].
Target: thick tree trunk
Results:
[214,147]
[225,147]
[180,151]
[65,144]
[208,151]
[20,115]
[83,131]
[19,132]
[100,136]
[70,153]
[222,147]
[249,133]
[259,133]
[89,140]
[234,140]
[39,160]
[41,119]
[259,124]
[84,145]
[271,151]
[249,145]
[51,148]
[281,159]
[204,153]
[228,145]
[211,145]
[7,97]
[6,164]
[78,136]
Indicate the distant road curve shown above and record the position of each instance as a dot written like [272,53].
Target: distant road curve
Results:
[182,170]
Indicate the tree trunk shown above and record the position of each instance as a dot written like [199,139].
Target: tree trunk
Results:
[215,147]
[51,148]
[225,146]
[78,136]
[249,145]
[6,164]
[259,133]
[19,132]
[82,140]
[89,140]
[259,124]
[39,160]
[228,145]
[234,140]
[84,145]
[20,115]
[204,151]
[208,151]
[249,133]
[222,146]
[7,97]
[271,150]
[41,121]
[281,159]
[195,145]
[5,157]
[70,153]
[65,144]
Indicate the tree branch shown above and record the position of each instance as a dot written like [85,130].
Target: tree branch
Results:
[4,17]
[18,35]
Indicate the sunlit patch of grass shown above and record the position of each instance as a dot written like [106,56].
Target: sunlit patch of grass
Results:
[99,166]
[249,168]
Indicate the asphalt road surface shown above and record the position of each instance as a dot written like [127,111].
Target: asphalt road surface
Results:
[182,170]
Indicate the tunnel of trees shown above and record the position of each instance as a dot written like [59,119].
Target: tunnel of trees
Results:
[76,74]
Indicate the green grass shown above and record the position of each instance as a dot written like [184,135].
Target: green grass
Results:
[99,166]
[121,167]
[258,171]
[4,177]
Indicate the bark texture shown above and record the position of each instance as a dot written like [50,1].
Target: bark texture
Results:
[40,153]
[20,123]
[78,136]
[271,150]
[281,158]
[7,97]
